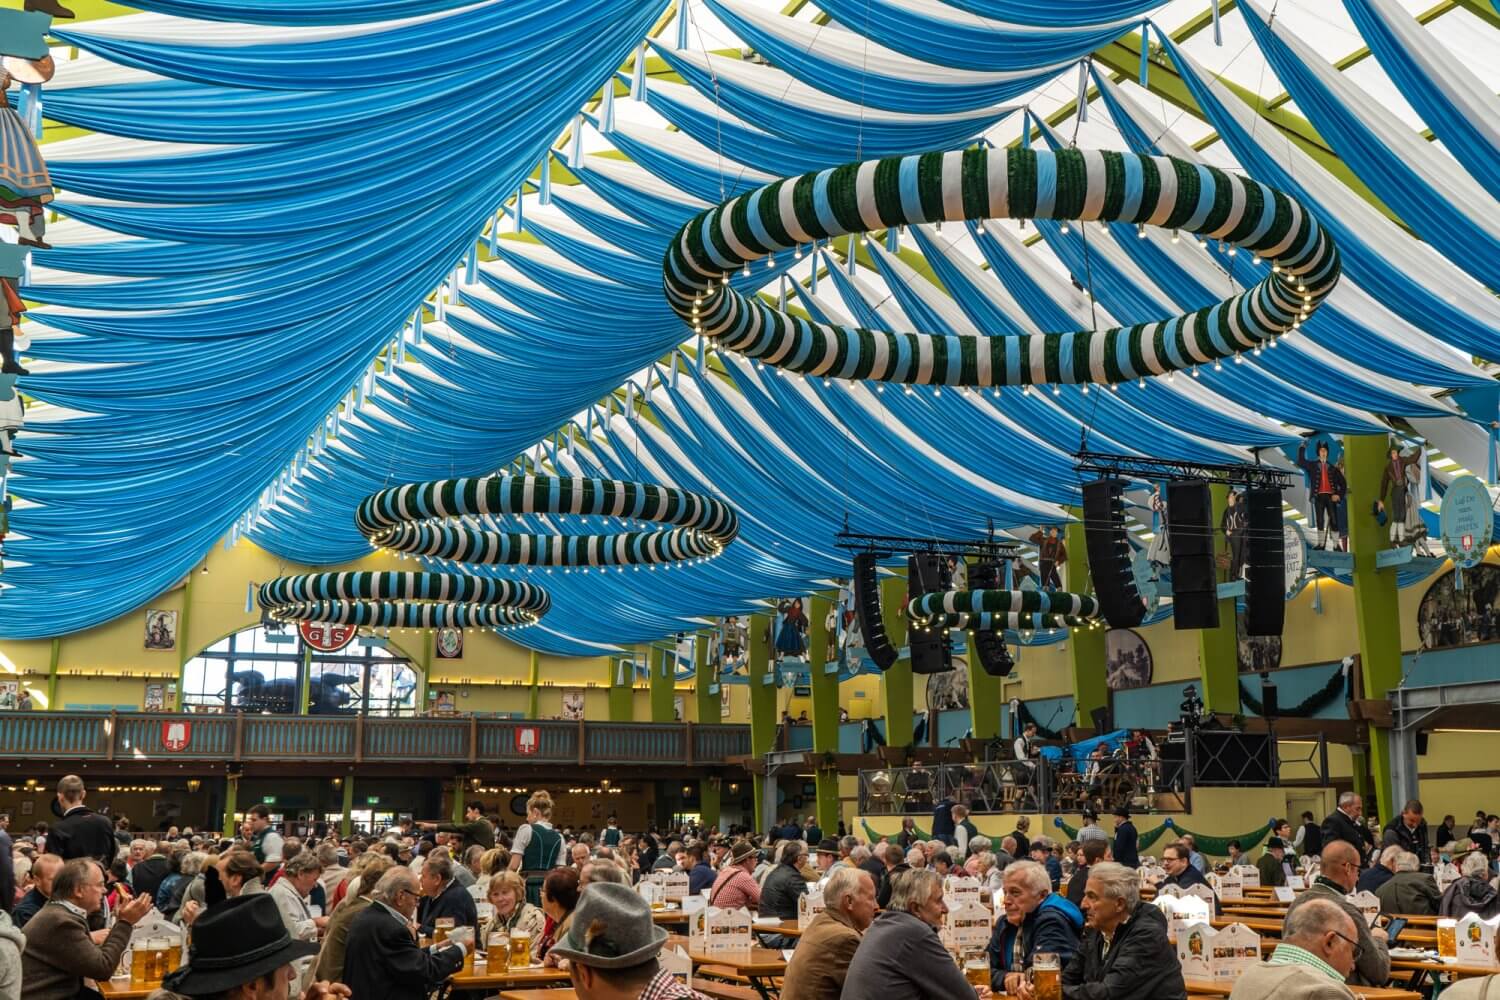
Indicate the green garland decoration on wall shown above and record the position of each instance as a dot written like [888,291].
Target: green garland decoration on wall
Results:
[404,600]
[1333,690]
[976,184]
[453,519]
[1212,846]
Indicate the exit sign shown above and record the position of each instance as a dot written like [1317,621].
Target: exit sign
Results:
[372,800]
[269,800]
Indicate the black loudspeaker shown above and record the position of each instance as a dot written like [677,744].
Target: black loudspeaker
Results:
[1421,743]
[1102,721]
[989,644]
[1195,581]
[1109,553]
[1270,707]
[931,649]
[1265,564]
[867,612]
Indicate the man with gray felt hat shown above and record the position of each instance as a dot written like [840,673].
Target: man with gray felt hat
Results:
[612,948]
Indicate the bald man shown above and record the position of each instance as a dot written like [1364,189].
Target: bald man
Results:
[1340,872]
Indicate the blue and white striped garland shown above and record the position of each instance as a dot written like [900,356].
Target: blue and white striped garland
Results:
[427,519]
[975,184]
[404,600]
[1021,602]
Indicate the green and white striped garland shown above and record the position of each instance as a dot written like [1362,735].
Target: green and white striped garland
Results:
[428,519]
[404,600]
[976,184]
[1023,602]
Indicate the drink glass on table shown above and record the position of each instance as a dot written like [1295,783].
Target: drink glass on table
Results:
[1447,937]
[520,949]
[140,962]
[977,968]
[123,969]
[1046,976]
[440,928]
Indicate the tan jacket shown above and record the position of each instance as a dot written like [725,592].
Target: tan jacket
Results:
[330,967]
[818,966]
[1288,982]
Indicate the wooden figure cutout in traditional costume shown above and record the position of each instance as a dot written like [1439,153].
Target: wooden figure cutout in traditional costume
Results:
[1328,488]
[1159,552]
[25,190]
[1050,553]
[1393,482]
[1236,525]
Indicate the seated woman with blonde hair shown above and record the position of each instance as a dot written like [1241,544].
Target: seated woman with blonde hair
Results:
[507,894]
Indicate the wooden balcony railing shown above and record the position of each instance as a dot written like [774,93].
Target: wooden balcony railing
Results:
[150,737]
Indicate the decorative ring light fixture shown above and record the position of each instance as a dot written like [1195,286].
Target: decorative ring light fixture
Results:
[951,603]
[441,520]
[976,184]
[990,621]
[404,600]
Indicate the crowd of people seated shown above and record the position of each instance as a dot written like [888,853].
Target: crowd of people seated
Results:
[274,918]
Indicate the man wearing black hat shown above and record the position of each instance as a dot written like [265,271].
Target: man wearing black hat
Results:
[241,951]
[612,948]
[382,960]
[1126,840]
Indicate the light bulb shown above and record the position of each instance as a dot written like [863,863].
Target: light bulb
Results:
[1175,236]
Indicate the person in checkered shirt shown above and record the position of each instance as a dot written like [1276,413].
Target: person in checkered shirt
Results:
[613,949]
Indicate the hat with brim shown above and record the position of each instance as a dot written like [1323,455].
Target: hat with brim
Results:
[236,942]
[828,846]
[740,850]
[611,929]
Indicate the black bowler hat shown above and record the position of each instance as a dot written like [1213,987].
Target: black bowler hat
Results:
[234,942]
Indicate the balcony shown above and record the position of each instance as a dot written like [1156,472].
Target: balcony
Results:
[124,739]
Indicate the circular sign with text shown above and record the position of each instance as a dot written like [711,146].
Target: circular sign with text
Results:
[326,638]
[1466,521]
[1294,549]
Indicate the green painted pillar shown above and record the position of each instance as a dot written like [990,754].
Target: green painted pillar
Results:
[709,802]
[705,680]
[1086,644]
[663,684]
[621,680]
[456,814]
[1377,611]
[305,689]
[346,822]
[825,710]
[896,683]
[184,652]
[984,697]
[428,638]
[762,706]
[534,682]
[1218,649]
[231,804]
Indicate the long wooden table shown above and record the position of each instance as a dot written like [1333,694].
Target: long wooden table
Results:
[502,977]
[1209,988]
[124,989]
[1424,968]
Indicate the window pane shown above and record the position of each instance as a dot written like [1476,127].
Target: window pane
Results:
[338,686]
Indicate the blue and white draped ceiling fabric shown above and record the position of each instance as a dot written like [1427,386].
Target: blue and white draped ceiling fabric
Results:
[200,379]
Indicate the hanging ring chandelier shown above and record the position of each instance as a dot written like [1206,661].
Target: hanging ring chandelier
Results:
[404,600]
[453,519]
[977,184]
[987,621]
[944,607]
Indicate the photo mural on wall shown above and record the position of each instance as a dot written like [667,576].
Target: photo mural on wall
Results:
[1127,660]
[1451,616]
[1256,652]
[949,690]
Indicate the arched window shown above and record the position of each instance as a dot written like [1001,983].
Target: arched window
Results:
[257,670]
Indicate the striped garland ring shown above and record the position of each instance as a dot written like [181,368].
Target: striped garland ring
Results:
[452,519]
[404,600]
[977,184]
[987,621]
[1024,602]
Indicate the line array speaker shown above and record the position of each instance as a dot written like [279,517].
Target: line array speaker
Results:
[1195,582]
[1109,553]
[931,649]
[1265,573]
[868,613]
[989,644]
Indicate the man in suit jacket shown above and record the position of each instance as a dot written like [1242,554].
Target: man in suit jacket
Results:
[1125,850]
[330,965]
[148,873]
[818,966]
[442,896]
[80,832]
[1339,871]
[59,951]
[1346,823]
[1315,955]
[381,958]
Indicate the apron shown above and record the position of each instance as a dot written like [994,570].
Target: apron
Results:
[536,862]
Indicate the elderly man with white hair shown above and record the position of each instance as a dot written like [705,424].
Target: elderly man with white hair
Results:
[821,961]
[901,956]
[1339,871]
[1409,890]
[1473,892]
[1036,919]
[1124,953]
[1315,955]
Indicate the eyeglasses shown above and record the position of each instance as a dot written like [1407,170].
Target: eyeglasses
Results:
[1357,948]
